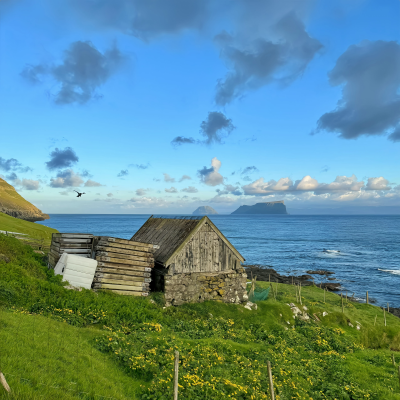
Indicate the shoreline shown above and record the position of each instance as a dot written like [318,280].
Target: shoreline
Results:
[269,274]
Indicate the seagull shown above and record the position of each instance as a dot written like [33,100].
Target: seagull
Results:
[79,194]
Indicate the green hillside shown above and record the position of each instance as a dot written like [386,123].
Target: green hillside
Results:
[81,344]
[12,203]
[11,224]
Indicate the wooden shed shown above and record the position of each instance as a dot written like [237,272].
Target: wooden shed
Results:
[194,262]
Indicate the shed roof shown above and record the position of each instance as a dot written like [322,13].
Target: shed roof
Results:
[171,234]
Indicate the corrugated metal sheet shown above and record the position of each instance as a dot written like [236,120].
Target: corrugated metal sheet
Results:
[78,271]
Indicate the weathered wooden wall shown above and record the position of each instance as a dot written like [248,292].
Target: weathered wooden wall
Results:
[205,252]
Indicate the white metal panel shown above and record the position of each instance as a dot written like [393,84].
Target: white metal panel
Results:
[59,268]
[79,271]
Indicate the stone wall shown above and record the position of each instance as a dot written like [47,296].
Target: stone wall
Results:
[225,286]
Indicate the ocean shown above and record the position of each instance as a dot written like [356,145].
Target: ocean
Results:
[362,251]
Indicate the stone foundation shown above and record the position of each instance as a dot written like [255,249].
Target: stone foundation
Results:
[196,287]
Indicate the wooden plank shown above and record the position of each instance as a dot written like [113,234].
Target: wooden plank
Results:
[124,257]
[61,240]
[146,263]
[73,235]
[132,267]
[130,293]
[125,246]
[122,272]
[76,251]
[125,242]
[113,250]
[120,287]
[121,282]
[100,275]
[74,245]
[55,254]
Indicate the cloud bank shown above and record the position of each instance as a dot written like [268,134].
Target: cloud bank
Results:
[83,70]
[370,105]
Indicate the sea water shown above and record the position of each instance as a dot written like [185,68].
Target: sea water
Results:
[362,251]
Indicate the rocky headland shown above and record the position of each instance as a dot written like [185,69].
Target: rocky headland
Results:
[16,206]
[204,210]
[273,207]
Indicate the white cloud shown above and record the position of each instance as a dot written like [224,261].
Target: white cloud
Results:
[171,190]
[211,176]
[110,195]
[307,183]
[185,177]
[378,184]
[342,183]
[168,178]
[90,183]
[140,192]
[190,189]
[66,178]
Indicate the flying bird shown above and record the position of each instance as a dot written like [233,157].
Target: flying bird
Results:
[79,194]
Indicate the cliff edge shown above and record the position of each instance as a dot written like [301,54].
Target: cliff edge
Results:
[273,207]
[16,206]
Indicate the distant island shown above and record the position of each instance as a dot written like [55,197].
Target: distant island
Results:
[273,207]
[16,206]
[204,210]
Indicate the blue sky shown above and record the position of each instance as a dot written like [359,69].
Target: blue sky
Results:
[163,106]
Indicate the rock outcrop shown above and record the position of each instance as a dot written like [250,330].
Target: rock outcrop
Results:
[204,210]
[273,207]
[13,204]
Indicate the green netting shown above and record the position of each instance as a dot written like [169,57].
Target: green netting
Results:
[258,294]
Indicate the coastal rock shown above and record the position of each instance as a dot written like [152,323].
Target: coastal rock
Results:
[4,258]
[204,210]
[395,311]
[333,287]
[273,207]
[11,203]
[269,274]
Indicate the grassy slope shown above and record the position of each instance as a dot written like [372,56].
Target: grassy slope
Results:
[47,359]
[8,223]
[126,345]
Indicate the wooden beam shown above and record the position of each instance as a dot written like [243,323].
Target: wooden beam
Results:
[121,282]
[119,287]
[119,272]
[127,247]
[136,261]
[133,267]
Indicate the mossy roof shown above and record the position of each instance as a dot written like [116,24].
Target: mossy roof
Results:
[172,234]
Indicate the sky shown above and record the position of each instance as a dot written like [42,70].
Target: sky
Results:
[162,106]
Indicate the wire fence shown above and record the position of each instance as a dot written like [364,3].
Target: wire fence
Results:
[37,244]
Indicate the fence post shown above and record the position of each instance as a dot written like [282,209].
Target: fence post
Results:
[399,375]
[341,296]
[176,375]
[384,315]
[4,382]
[271,383]
[367,297]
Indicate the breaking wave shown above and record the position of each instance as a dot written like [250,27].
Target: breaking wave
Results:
[391,271]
